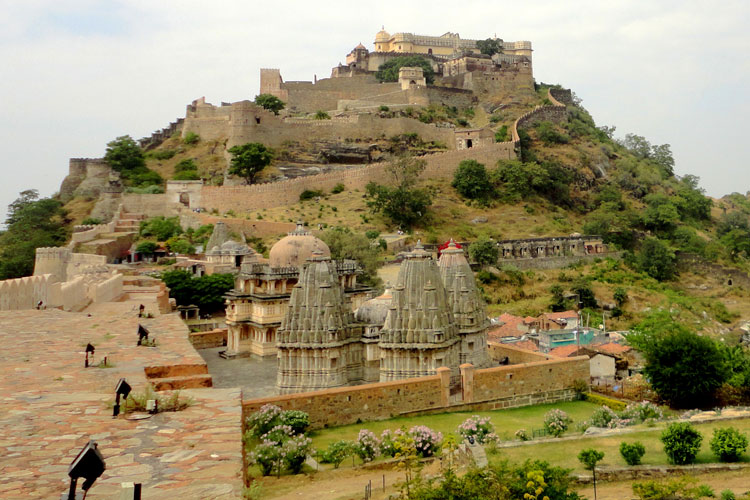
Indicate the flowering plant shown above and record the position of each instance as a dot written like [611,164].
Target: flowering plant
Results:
[556,422]
[267,455]
[387,442]
[640,412]
[263,420]
[278,434]
[426,441]
[479,428]
[522,435]
[367,445]
[294,451]
[603,416]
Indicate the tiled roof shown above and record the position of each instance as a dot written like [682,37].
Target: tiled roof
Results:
[509,327]
[612,348]
[560,315]
[564,351]
[526,344]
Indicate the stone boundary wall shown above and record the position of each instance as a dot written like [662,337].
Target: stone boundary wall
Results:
[347,405]
[695,263]
[211,338]
[74,294]
[516,355]
[25,293]
[150,205]
[556,113]
[557,262]
[256,197]
[106,291]
[161,135]
[508,386]
[561,97]
[259,228]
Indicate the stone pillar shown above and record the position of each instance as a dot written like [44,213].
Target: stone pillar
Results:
[445,385]
[467,382]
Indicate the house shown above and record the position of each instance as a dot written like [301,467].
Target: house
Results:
[507,328]
[565,320]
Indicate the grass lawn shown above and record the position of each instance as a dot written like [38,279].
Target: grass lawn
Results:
[564,453]
[506,422]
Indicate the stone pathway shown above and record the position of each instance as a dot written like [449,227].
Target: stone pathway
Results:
[50,406]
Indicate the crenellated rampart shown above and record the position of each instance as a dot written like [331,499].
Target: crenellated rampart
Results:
[161,135]
[26,293]
[555,113]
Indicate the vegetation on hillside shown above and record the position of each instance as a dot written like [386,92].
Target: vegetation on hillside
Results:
[388,71]
[124,155]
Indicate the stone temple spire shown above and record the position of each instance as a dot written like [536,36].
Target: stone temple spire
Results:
[419,335]
[468,307]
[318,343]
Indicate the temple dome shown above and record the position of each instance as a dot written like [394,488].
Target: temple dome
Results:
[295,248]
[374,311]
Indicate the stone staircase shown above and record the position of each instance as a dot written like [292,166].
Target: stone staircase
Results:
[129,223]
[172,377]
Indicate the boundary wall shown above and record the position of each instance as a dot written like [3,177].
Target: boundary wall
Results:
[274,194]
[695,263]
[545,380]
[25,293]
[556,113]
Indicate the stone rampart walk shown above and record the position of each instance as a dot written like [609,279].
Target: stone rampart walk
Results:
[50,406]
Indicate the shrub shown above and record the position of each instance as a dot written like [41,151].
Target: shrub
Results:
[336,453]
[640,412]
[426,441]
[187,175]
[384,108]
[728,444]
[263,420]
[604,416]
[371,234]
[294,451]
[191,138]
[472,181]
[267,456]
[682,442]
[549,135]
[186,165]
[522,435]
[309,194]
[164,154]
[632,453]
[367,445]
[321,115]
[556,422]
[338,188]
[90,221]
[727,495]
[502,134]
[299,421]
[480,429]
[387,444]
[603,400]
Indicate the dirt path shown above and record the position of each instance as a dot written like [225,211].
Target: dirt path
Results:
[737,481]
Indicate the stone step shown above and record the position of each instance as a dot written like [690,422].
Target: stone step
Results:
[185,382]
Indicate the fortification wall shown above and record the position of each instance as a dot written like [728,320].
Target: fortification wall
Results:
[74,294]
[561,97]
[347,405]
[691,262]
[150,205]
[557,262]
[556,113]
[107,290]
[25,293]
[209,339]
[52,260]
[324,94]
[491,83]
[255,197]
[258,228]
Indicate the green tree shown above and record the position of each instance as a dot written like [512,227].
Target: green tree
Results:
[269,102]
[388,71]
[180,245]
[207,292]
[682,442]
[484,252]
[589,458]
[621,296]
[660,214]
[345,244]
[558,302]
[146,247]
[520,180]
[124,155]
[728,444]
[248,160]
[472,181]
[401,202]
[30,223]
[656,259]
[162,228]
[683,367]
[186,165]
[490,46]
[632,453]
[501,135]
[586,297]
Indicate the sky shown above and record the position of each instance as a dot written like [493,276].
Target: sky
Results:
[76,74]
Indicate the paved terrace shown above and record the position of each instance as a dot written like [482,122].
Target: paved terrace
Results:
[50,406]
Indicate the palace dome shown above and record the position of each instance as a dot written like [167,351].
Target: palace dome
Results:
[382,36]
[295,248]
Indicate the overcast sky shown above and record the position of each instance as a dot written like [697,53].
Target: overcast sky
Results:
[78,73]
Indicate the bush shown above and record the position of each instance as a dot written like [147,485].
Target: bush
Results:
[263,420]
[384,108]
[632,453]
[728,495]
[367,445]
[728,444]
[479,429]
[556,422]
[187,175]
[299,421]
[336,453]
[682,442]
[426,441]
[672,488]
[321,115]
[186,165]
[472,181]
[309,194]
[294,452]
[549,135]
[484,252]
[164,154]
[191,138]
[387,443]
[267,456]
[522,435]
[502,134]
[161,228]
[640,412]
[90,221]
[338,188]
[604,416]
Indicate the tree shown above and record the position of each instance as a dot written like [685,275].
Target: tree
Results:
[728,444]
[162,228]
[683,367]
[620,295]
[388,71]
[472,181]
[632,453]
[124,155]
[207,292]
[589,458]
[558,302]
[682,442]
[484,252]
[586,297]
[31,223]
[248,160]
[401,202]
[656,259]
[269,102]
[490,46]
[520,180]
[180,245]
[345,244]
[146,247]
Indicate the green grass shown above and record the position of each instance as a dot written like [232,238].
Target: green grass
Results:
[563,453]
[506,422]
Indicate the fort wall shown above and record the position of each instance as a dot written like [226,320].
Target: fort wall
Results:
[106,291]
[25,293]
[74,294]
[150,205]
[208,339]
[557,262]
[557,113]
[726,275]
[258,196]
[561,97]
[537,381]
[259,228]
